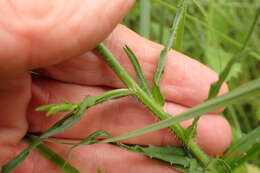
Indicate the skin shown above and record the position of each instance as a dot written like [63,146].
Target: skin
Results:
[56,38]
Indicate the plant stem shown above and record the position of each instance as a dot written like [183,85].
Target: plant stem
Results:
[244,92]
[66,122]
[145,18]
[45,151]
[149,102]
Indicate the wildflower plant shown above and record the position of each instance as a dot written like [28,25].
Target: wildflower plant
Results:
[190,158]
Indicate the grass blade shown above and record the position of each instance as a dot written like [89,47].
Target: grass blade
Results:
[180,31]
[251,153]
[242,146]
[145,18]
[162,23]
[138,70]
[178,20]
[245,91]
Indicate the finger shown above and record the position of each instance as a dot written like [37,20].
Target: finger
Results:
[89,158]
[36,34]
[185,81]
[119,117]
[15,95]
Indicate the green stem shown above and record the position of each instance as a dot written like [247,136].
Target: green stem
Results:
[149,102]
[45,151]
[69,120]
[145,18]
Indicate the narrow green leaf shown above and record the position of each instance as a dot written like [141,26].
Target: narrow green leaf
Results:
[171,155]
[216,165]
[254,151]
[163,15]
[191,131]
[91,138]
[15,162]
[49,154]
[161,64]
[245,91]
[194,167]
[56,108]
[239,149]
[70,119]
[145,18]
[157,94]
[200,7]
[232,118]
[180,31]
[7,168]
[138,70]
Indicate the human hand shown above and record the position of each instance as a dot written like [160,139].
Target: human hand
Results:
[54,37]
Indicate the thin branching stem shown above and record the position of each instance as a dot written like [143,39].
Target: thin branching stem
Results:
[149,103]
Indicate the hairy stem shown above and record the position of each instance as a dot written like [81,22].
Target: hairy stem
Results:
[149,102]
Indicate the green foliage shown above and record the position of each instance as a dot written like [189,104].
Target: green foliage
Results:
[66,122]
[56,108]
[175,38]
[217,165]
[15,162]
[168,154]
[49,154]
[249,89]
[145,18]
[139,73]
[215,87]
[191,131]
[244,148]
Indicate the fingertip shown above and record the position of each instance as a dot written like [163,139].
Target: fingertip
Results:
[214,134]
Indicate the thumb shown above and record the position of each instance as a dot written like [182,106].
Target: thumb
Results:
[42,33]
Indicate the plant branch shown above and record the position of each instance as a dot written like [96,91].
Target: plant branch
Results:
[149,102]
